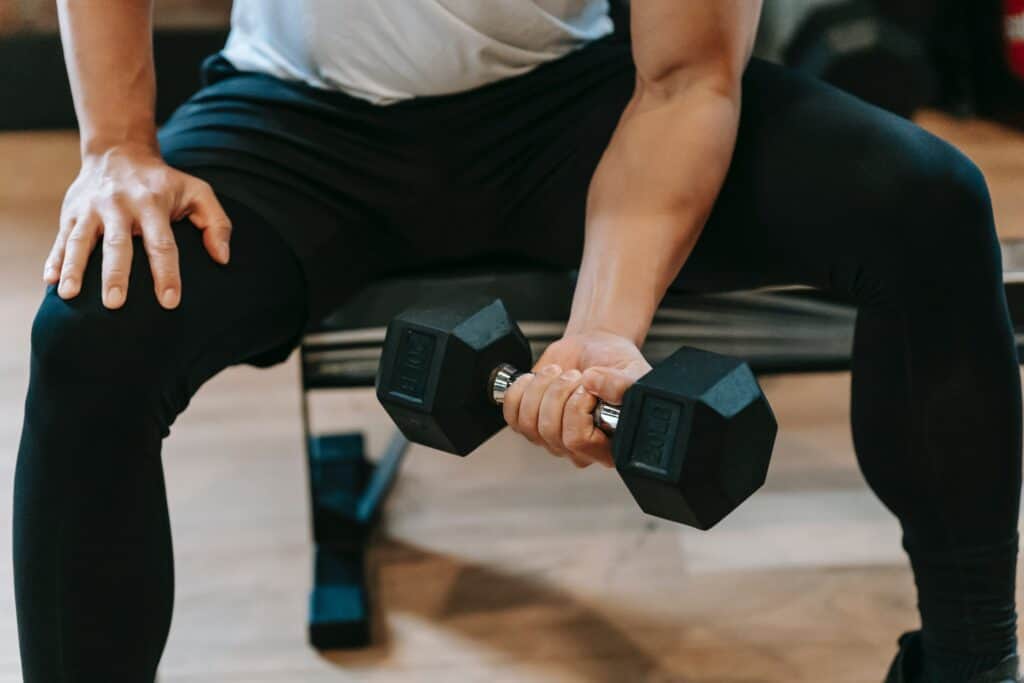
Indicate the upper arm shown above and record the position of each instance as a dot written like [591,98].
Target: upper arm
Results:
[678,41]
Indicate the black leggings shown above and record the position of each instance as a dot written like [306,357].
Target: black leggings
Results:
[823,190]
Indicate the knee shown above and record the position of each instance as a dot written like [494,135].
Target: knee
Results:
[946,213]
[936,236]
[80,342]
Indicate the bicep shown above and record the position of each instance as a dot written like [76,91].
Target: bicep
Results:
[683,39]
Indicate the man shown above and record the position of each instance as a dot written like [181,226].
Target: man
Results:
[337,142]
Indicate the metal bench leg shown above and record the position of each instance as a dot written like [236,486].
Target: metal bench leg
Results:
[384,474]
[347,493]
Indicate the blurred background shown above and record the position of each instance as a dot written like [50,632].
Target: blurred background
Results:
[512,565]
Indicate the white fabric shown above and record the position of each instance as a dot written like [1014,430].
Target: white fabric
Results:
[390,50]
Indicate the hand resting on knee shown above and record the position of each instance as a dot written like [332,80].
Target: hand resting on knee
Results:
[128,190]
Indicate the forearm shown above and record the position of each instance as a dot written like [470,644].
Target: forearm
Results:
[108,49]
[649,199]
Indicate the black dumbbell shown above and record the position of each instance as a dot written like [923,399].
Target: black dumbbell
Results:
[692,439]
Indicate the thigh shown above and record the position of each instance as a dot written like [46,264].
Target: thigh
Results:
[823,188]
[251,311]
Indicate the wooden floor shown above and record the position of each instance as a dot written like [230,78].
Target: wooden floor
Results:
[508,566]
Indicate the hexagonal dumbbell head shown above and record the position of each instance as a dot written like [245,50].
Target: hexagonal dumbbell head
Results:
[695,437]
[435,369]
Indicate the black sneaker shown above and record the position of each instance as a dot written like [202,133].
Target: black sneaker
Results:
[906,668]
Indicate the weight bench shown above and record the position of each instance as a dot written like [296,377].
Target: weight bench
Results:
[778,330]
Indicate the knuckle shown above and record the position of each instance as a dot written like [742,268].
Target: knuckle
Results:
[593,377]
[165,277]
[78,240]
[71,268]
[527,425]
[163,245]
[577,398]
[575,440]
[110,196]
[202,189]
[519,386]
[570,377]
[545,423]
[551,431]
[552,440]
[116,239]
[144,195]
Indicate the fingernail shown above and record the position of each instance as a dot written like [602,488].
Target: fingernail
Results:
[225,252]
[67,287]
[580,390]
[571,375]
[170,297]
[50,273]
[550,370]
[115,295]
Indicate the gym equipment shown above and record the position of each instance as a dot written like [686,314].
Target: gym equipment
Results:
[347,492]
[855,46]
[777,330]
[851,45]
[989,57]
[692,440]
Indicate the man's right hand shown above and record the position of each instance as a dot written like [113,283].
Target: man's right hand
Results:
[128,190]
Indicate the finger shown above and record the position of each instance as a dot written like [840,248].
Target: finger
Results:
[162,251]
[579,433]
[80,243]
[513,397]
[552,406]
[206,213]
[529,407]
[608,384]
[117,258]
[55,259]
[579,461]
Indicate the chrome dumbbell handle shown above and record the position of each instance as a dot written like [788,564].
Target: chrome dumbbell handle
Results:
[606,416]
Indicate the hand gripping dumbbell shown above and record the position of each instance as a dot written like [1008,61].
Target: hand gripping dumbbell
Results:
[692,439]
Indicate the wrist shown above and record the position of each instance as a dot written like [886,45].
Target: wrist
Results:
[135,143]
[606,307]
[634,330]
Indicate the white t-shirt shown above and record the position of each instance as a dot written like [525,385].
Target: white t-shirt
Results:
[390,50]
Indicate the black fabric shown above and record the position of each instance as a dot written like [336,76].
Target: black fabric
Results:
[92,543]
[910,666]
[823,190]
